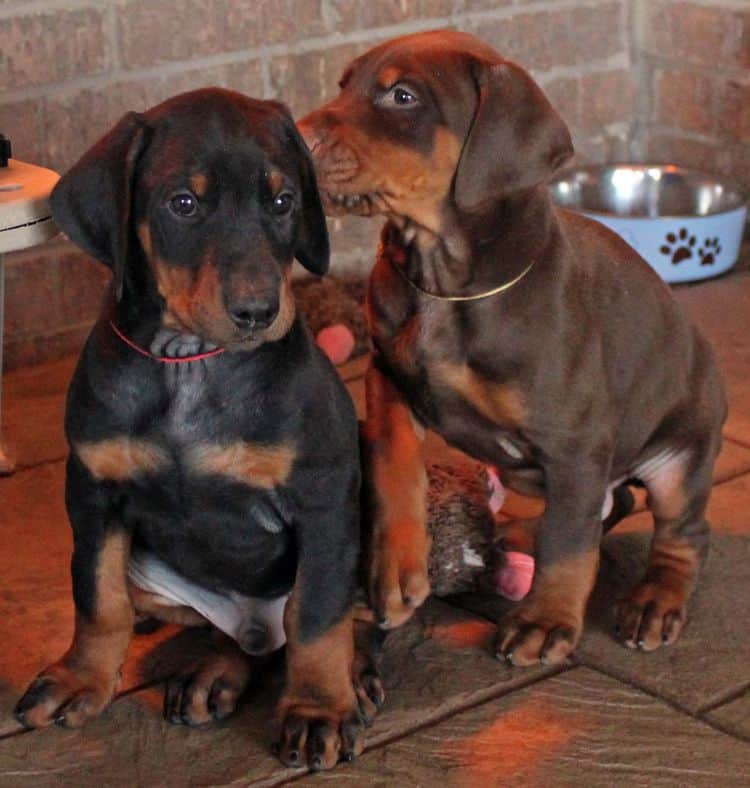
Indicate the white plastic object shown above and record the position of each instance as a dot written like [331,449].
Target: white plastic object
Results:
[25,220]
[25,217]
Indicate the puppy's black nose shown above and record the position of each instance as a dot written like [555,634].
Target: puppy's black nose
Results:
[257,311]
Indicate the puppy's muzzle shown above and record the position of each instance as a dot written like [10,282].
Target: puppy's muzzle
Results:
[335,161]
[256,311]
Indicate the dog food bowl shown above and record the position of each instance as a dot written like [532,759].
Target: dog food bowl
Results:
[686,224]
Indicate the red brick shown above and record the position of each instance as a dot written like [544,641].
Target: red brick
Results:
[675,149]
[264,22]
[303,81]
[734,113]
[544,39]
[74,121]
[83,282]
[685,100]
[353,236]
[607,97]
[151,33]
[245,77]
[23,123]
[565,97]
[482,5]
[32,302]
[734,160]
[378,13]
[599,32]
[697,33]
[43,48]
[339,16]
[52,287]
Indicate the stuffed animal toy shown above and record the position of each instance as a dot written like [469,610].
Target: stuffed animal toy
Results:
[333,310]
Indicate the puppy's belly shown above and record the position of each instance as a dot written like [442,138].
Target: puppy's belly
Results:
[220,535]
[256,624]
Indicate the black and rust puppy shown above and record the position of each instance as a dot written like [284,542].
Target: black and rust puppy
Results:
[530,337]
[213,465]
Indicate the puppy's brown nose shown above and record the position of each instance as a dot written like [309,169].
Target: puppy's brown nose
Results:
[257,311]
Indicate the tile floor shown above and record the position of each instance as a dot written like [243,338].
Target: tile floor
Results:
[454,715]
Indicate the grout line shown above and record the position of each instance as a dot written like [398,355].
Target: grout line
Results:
[722,700]
[480,699]
[731,478]
[725,729]
[673,704]
[34,466]
[117,74]
[744,443]
[13,734]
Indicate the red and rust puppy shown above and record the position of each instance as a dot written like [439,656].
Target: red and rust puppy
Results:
[209,437]
[530,337]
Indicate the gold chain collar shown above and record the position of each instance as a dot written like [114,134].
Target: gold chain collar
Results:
[500,289]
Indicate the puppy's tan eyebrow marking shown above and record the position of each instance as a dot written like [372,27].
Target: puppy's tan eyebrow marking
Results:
[199,183]
[389,76]
[275,181]
[144,236]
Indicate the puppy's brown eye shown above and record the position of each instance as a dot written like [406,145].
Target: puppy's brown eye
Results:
[282,203]
[401,96]
[184,204]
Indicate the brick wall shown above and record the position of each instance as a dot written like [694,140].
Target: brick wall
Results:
[70,68]
[694,97]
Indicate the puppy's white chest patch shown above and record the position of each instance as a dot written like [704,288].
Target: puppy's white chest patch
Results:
[256,624]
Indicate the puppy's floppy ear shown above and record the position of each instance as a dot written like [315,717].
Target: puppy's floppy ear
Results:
[92,202]
[312,248]
[516,139]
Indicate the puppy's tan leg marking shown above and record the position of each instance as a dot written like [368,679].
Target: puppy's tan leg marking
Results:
[548,623]
[81,684]
[656,611]
[319,710]
[399,544]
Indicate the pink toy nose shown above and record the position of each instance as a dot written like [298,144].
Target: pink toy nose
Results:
[514,579]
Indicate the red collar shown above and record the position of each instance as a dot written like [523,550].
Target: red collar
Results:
[164,359]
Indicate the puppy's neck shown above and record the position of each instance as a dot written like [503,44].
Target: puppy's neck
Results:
[436,261]
[477,252]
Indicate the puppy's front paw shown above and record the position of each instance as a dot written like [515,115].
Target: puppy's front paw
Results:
[316,736]
[537,631]
[209,690]
[652,616]
[65,696]
[398,575]
[367,685]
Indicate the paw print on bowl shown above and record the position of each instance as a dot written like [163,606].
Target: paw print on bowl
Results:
[679,246]
[710,250]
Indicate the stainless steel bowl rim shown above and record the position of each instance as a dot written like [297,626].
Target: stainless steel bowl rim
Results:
[593,169]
